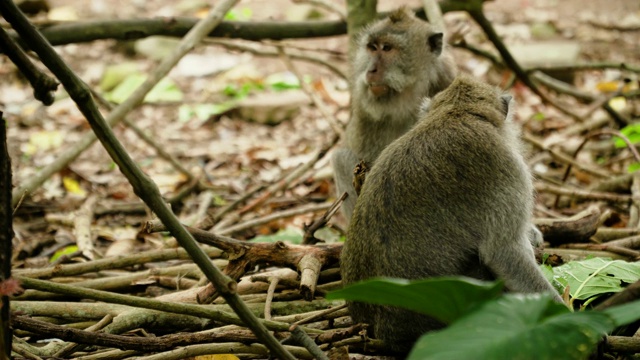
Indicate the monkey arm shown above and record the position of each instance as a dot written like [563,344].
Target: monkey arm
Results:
[535,236]
[344,162]
[514,262]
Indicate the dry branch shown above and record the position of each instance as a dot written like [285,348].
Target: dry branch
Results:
[133,29]
[632,242]
[159,343]
[583,194]
[308,260]
[605,234]
[561,156]
[578,228]
[43,85]
[118,262]
[6,240]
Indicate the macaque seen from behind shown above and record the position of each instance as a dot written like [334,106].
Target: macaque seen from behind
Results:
[453,196]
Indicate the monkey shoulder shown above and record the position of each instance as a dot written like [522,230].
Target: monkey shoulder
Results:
[459,150]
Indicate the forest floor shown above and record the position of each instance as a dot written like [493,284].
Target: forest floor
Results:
[237,121]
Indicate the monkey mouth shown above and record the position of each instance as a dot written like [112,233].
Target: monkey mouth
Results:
[379,90]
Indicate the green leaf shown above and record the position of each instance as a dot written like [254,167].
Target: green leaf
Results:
[290,235]
[281,86]
[219,200]
[67,250]
[201,112]
[632,132]
[115,74]
[242,91]
[547,271]
[633,167]
[282,81]
[538,116]
[165,91]
[234,91]
[523,326]
[624,314]
[121,92]
[444,298]
[328,235]
[242,14]
[596,276]
[185,113]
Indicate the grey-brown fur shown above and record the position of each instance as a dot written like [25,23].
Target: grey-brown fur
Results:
[453,196]
[406,56]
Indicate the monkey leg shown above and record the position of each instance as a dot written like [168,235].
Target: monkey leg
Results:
[400,328]
[344,161]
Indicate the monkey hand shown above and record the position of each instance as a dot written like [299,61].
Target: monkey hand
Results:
[359,174]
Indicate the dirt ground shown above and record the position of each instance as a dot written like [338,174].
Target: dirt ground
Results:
[227,141]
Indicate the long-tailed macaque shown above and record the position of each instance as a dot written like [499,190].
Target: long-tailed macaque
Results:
[399,60]
[453,196]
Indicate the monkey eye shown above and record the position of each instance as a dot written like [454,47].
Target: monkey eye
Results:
[386,47]
[371,46]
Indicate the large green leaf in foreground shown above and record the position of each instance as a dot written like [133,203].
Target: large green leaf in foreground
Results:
[483,326]
[624,314]
[517,327]
[445,299]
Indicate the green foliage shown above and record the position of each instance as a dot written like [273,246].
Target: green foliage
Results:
[241,91]
[328,235]
[445,299]
[202,111]
[289,235]
[275,82]
[624,314]
[632,132]
[596,276]
[525,327]
[116,74]
[165,91]
[242,14]
[237,92]
[284,81]
[486,326]
[67,250]
[219,200]
[538,116]
[548,273]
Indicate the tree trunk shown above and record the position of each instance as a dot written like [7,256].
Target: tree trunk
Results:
[359,14]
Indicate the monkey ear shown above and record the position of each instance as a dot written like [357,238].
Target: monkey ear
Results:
[435,42]
[508,106]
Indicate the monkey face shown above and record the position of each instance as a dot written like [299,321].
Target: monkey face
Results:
[383,52]
[397,57]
